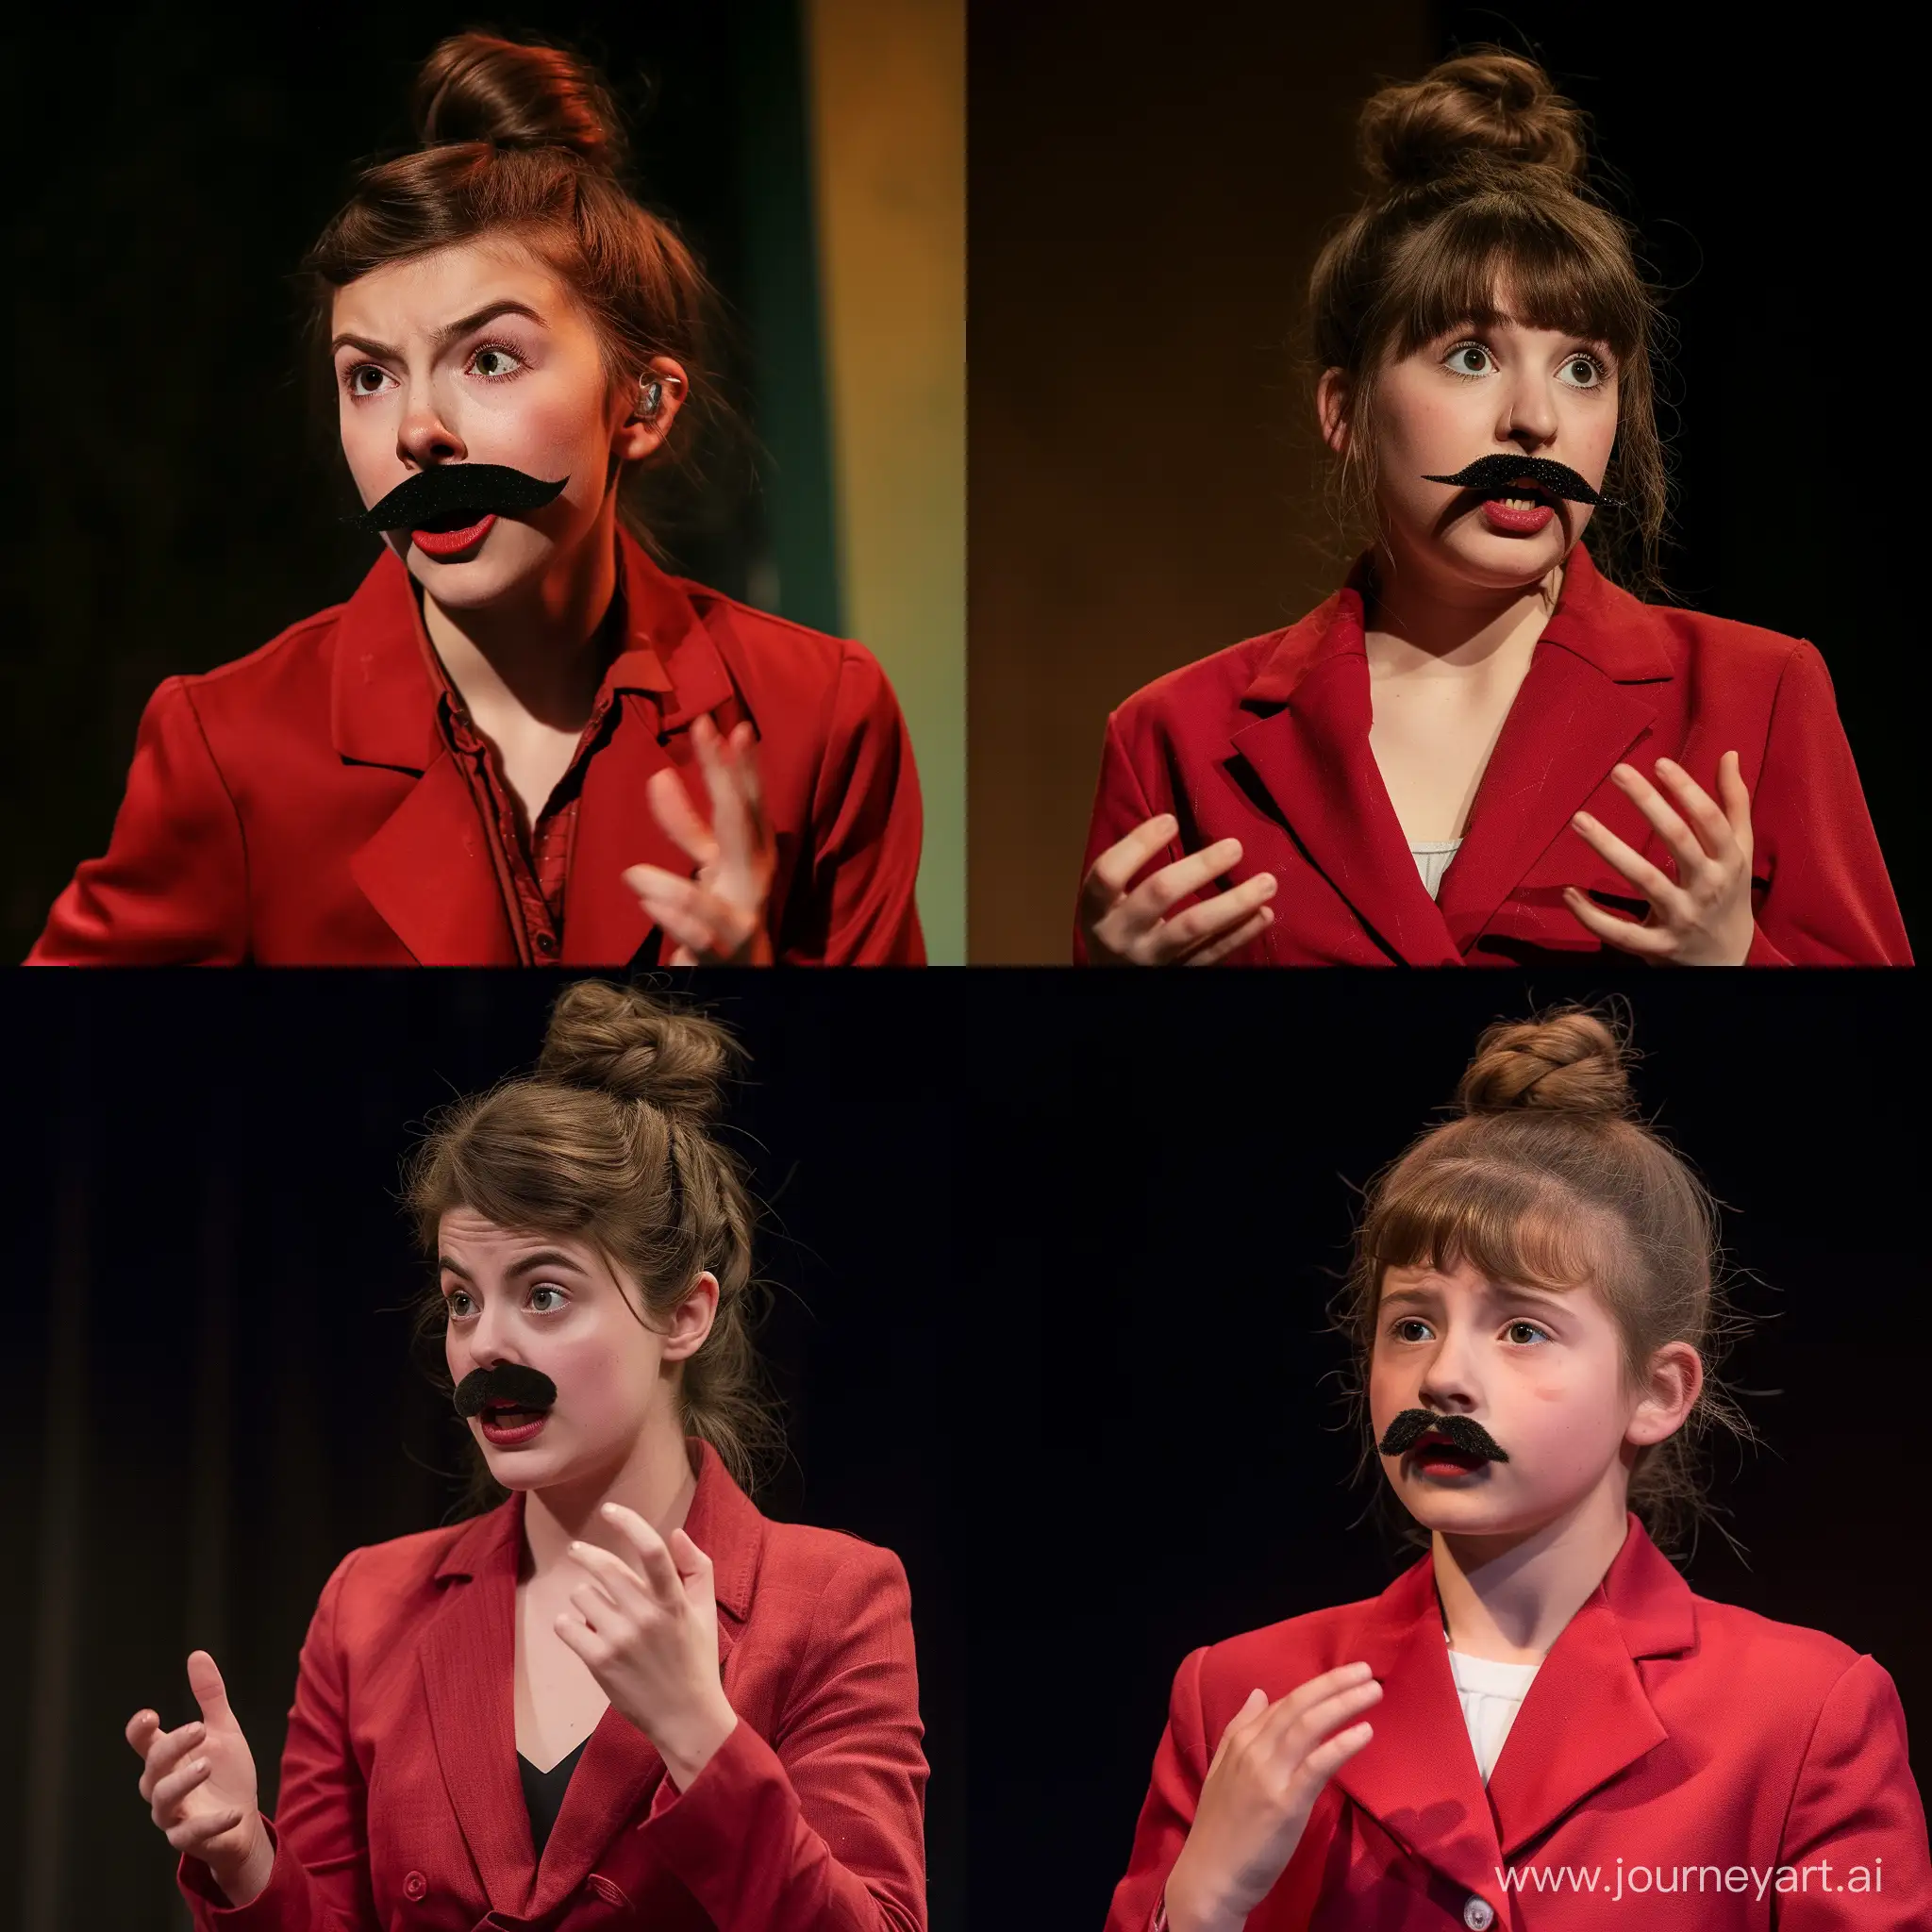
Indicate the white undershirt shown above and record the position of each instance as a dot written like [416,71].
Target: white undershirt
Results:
[1492,1694]
[1432,861]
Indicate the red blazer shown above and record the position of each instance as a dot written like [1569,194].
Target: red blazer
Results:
[401,1807]
[299,807]
[1269,743]
[1663,1730]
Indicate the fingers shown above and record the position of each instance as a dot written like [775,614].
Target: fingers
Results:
[170,1790]
[691,1561]
[700,921]
[210,1692]
[1176,937]
[165,1750]
[671,808]
[735,817]
[1107,877]
[1167,887]
[1734,796]
[1686,846]
[140,1731]
[1299,1724]
[1253,1706]
[1251,928]
[1652,881]
[190,1834]
[1649,941]
[1713,829]
[654,1560]
[612,1576]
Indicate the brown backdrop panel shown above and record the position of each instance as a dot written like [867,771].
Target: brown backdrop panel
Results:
[1143,212]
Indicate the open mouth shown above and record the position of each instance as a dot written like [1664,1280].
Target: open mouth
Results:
[453,532]
[1518,509]
[505,1424]
[1435,1454]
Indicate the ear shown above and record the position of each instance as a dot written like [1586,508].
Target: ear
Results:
[1669,1393]
[638,435]
[691,1318]
[1332,401]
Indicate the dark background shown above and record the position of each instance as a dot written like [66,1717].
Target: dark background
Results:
[1148,193]
[1055,1252]
[178,489]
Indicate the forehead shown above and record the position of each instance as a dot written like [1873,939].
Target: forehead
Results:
[416,297]
[1462,1280]
[465,1236]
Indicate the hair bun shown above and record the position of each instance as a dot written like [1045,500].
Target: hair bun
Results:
[1570,1062]
[635,1047]
[480,86]
[1489,104]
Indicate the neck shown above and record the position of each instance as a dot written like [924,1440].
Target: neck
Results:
[1509,1597]
[541,652]
[1420,620]
[655,1479]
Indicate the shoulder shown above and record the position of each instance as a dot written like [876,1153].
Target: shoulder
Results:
[295,663]
[1803,1663]
[1697,640]
[801,1558]
[1209,690]
[386,1584]
[756,642]
[1273,1659]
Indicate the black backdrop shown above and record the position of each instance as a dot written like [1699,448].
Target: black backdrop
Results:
[1056,1249]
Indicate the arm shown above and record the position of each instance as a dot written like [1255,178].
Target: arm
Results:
[172,889]
[821,1830]
[320,1879]
[1828,900]
[866,829]
[1167,1812]
[1856,1807]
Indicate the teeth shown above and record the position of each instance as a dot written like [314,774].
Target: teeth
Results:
[1517,502]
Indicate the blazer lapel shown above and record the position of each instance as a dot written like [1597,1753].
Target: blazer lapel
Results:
[1309,751]
[1589,697]
[1417,1775]
[468,1660]
[1587,1715]
[618,1777]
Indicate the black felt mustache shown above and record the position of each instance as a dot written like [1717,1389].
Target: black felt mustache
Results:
[448,488]
[1461,1432]
[507,1383]
[1499,471]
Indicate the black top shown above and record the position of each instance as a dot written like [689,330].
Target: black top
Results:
[543,1792]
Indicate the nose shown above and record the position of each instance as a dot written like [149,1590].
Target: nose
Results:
[1448,1382]
[1529,412]
[423,437]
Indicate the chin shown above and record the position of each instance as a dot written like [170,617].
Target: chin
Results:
[1501,563]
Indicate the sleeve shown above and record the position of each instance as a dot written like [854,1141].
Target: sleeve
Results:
[1167,1813]
[1855,1835]
[820,1828]
[866,830]
[1827,900]
[172,888]
[1122,801]
[319,1881]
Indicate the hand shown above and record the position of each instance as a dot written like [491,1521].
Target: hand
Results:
[199,1782]
[649,1636]
[716,919]
[1703,916]
[1267,1772]
[1124,928]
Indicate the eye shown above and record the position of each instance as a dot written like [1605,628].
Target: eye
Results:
[1408,1322]
[1536,1334]
[496,353]
[456,1304]
[1583,372]
[1470,358]
[543,1307]
[353,380]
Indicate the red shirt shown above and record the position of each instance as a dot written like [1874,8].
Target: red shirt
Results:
[309,805]
[1269,743]
[1662,1730]
[401,1807]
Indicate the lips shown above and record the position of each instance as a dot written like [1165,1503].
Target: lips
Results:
[505,1426]
[449,542]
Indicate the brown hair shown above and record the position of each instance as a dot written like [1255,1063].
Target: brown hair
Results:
[1480,191]
[525,141]
[609,1140]
[1548,1179]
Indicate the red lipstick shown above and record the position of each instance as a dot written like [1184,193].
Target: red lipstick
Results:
[1512,521]
[449,543]
[509,1429]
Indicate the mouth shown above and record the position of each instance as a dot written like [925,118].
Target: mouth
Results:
[1436,1456]
[1518,509]
[506,1427]
[452,534]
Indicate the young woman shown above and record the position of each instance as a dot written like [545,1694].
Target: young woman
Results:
[520,739]
[1539,1706]
[623,1689]
[1480,751]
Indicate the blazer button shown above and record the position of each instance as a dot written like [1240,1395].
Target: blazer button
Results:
[546,942]
[415,1886]
[1478,1914]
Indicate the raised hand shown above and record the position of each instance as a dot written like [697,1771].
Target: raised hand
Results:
[648,1633]
[716,919]
[199,1784]
[1266,1773]
[1703,916]
[1124,928]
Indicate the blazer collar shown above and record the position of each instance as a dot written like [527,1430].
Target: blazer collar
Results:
[1586,1718]
[427,869]
[468,1659]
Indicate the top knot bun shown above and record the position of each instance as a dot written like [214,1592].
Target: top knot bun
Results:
[1487,105]
[1566,1062]
[479,87]
[634,1048]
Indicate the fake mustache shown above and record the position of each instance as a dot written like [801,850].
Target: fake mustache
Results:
[1460,1431]
[1499,471]
[510,1385]
[455,492]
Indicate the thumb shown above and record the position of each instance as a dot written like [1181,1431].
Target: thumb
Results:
[693,1564]
[205,1680]
[1256,1700]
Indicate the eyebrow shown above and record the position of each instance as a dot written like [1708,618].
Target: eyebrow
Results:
[524,1264]
[443,337]
[1497,1290]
